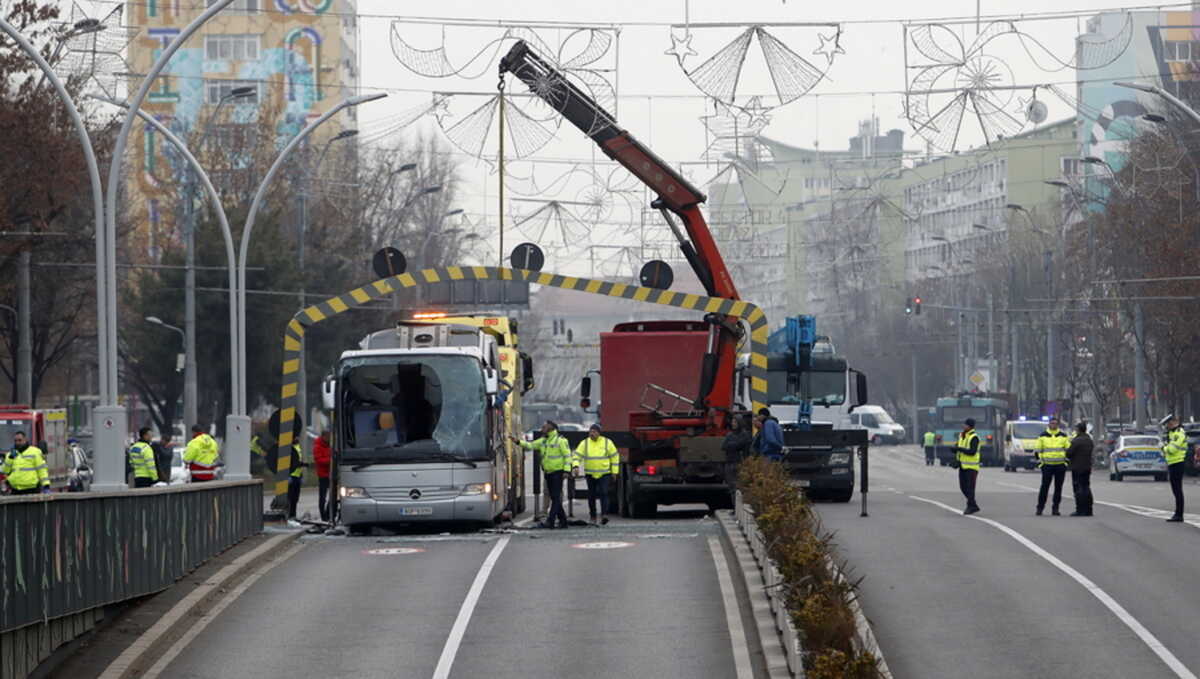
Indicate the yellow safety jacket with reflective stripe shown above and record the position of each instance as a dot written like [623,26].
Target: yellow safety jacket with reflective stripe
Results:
[596,458]
[201,449]
[297,459]
[141,458]
[929,439]
[1051,447]
[256,447]
[962,449]
[1175,449]
[27,469]
[556,453]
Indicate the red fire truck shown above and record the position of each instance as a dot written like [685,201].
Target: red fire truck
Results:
[46,429]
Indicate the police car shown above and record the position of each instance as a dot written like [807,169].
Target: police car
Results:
[1137,455]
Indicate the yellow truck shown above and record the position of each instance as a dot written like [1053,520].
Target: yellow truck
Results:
[517,372]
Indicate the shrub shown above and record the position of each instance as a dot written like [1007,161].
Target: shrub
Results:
[817,600]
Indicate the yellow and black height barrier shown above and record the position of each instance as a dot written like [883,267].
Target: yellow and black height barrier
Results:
[294,335]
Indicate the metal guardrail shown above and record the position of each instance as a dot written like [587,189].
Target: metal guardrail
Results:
[65,553]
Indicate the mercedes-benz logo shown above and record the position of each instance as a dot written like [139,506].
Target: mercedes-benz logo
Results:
[415,493]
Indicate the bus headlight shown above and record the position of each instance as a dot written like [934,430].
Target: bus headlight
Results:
[839,458]
[352,492]
[477,489]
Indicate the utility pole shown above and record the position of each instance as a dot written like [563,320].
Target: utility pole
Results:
[302,393]
[1050,391]
[1139,367]
[190,415]
[1015,377]
[916,429]
[958,354]
[993,364]
[24,334]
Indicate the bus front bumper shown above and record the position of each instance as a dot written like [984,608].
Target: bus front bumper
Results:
[368,510]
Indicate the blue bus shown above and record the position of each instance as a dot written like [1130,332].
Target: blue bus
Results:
[990,415]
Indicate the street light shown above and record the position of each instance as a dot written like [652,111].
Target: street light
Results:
[423,192]
[155,320]
[1154,89]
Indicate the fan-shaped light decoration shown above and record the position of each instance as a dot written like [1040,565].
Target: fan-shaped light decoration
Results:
[475,132]
[720,75]
[553,223]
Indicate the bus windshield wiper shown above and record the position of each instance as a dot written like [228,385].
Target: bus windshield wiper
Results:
[446,457]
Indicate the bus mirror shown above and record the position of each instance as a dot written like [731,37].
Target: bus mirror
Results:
[328,388]
[860,389]
[585,388]
[526,373]
[585,403]
[491,381]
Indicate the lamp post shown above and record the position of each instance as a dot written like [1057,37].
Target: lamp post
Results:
[1155,89]
[238,424]
[155,320]
[302,394]
[231,261]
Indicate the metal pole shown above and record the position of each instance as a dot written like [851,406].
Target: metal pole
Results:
[110,470]
[500,161]
[24,335]
[1016,363]
[1050,390]
[302,393]
[915,427]
[958,355]
[1139,367]
[189,323]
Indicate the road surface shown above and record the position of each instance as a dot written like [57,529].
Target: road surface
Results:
[1019,595]
[632,599]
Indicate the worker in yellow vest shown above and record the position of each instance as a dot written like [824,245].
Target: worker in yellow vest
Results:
[556,460]
[141,459]
[601,463]
[201,455]
[1175,451]
[966,452]
[24,467]
[1051,450]
[930,441]
[295,481]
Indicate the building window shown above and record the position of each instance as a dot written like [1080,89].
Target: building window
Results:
[1071,166]
[1180,50]
[246,6]
[235,47]
[216,90]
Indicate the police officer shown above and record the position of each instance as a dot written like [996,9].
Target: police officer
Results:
[930,442]
[295,481]
[966,451]
[556,460]
[141,460]
[25,468]
[1175,450]
[201,455]
[1051,449]
[598,457]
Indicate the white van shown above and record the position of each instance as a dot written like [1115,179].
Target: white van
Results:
[880,426]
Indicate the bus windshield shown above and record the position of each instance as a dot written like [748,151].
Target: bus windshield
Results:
[828,388]
[412,409]
[955,415]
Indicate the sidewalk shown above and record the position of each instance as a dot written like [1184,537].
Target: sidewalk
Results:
[307,503]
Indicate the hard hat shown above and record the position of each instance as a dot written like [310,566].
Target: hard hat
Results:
[1163,422]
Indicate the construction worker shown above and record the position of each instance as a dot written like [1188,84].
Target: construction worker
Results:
[930,442]
[295,481]
[601,463]
[201,455]
[25,468]
[1175,451]
[1079,456]
[1051,450]
[966,452]
[556,459]
[141,459]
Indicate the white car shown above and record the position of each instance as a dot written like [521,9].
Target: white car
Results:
[1137,455]
[880,426]
[179,470]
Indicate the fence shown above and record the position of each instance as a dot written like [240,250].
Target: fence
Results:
[70,553]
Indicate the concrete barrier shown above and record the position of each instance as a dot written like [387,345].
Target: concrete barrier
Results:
[66,556]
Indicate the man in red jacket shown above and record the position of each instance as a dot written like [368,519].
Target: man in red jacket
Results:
[322,455]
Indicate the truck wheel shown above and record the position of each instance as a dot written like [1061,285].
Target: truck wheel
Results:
[623,507]
[640,508]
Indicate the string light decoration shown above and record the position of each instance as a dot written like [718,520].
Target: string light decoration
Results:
[93,49]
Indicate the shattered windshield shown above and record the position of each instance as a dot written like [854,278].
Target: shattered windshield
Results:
[828,388]
[412,408]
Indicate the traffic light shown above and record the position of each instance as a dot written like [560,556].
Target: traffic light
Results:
[908,305]
[917,305]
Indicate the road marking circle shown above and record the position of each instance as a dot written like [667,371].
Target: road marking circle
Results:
[602,545]
[393,551]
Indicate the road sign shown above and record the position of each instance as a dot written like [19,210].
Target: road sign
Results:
[977,378]
[528,256]
[657,274]
[388,262]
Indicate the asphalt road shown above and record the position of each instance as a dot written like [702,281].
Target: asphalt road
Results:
[1020,595]
[646,604]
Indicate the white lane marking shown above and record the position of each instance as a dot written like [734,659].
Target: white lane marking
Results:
[197,627]
[1190,519]
[450,650]
[613,544]
[733,616]
[393,551]
[1110,603]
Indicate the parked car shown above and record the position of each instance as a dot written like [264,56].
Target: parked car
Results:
[880,426]
[1137,455]
[1020,439]
[179,470]
[1192,429]
[79,479]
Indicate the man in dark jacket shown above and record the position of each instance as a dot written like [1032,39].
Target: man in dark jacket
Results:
[1079,457]
[162,457]
[769,440]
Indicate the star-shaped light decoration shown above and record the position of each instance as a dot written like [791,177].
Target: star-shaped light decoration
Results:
[756,112]
[681,47]
[440,107]
[830,45]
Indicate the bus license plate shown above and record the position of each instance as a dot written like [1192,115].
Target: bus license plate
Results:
[803,483]
[416,511]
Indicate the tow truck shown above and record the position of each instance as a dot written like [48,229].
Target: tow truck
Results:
[670,440]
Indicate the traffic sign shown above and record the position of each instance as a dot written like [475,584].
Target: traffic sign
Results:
[977,378]
[528,257]
[657,274]
[388,262]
